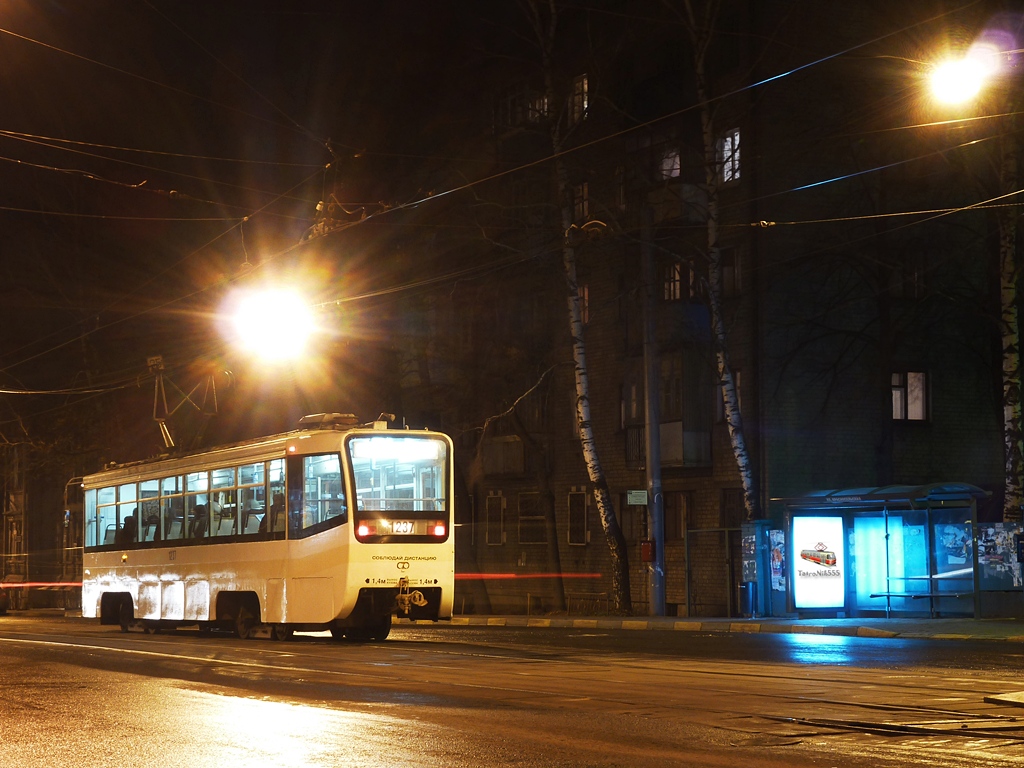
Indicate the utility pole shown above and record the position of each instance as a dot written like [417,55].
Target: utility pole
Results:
[652,425]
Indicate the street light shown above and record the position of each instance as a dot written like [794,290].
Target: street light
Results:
[959,80]
[274,324]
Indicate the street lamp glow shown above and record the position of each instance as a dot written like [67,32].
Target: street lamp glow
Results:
[273,324]
[956,81]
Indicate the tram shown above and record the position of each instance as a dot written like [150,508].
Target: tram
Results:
[334,526]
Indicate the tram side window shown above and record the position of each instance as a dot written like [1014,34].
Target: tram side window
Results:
[223,509]
[323,495]
[106,511]
[149,510]
[90,518]
[128,515]
[172,508]
[197,500]
[252,497]
[276,519]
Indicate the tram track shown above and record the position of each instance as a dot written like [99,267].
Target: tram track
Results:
[751,684]
[745,702]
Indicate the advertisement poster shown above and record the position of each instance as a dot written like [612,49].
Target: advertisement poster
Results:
[777,542]
[819,562]
[999,556]
[748,544]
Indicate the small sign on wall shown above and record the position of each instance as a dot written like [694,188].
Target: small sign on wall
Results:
[636,498]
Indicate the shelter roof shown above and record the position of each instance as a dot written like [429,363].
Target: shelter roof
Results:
[905,496]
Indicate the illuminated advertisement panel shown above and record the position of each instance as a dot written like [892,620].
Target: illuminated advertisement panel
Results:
[819,562]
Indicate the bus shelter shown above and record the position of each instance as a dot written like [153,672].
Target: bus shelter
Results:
[903,550]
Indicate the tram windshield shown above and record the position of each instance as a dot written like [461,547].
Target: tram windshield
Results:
[404,474]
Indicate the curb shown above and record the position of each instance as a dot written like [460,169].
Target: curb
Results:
[720,626]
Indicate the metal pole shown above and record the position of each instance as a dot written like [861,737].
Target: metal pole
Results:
[652,430]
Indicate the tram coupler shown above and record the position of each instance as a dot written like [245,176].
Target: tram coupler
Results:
[406,598]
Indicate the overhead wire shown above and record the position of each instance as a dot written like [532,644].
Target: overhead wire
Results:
[295,123]
[172,193]
[151,81]
[491,177]
[160,153]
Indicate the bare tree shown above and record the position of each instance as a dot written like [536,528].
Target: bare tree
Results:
[700,25]
[543,16]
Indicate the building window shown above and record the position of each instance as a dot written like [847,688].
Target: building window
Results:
[677,509]
[633,521]
[633,403]
[671,388]
[580,99]
[584,293]
[730,509]
[578,533]
[668,165]
[730,262]
[728,151]
[581,202]
[537,108]
[495,519]
[907,281]
[620,188]
[909,396]
[519,105]
[532,525]
[672,282]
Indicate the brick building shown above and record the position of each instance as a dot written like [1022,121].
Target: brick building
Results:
[861,344]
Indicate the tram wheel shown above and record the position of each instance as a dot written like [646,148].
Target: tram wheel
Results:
[125,615]
[244,623]
[338,633]
[380,628]
[281,632]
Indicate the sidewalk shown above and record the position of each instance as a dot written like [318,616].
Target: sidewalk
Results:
[934,629]
[1011,630]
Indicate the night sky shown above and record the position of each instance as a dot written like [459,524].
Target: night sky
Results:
[138,134]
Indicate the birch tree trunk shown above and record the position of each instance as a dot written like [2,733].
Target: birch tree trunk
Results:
[700,34]
[543,18]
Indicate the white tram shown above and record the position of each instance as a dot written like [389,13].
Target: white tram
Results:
[333,526]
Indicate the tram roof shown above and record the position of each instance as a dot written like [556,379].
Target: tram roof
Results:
[906,496]
[310,428]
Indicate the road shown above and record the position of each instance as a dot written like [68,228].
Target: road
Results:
[73,693]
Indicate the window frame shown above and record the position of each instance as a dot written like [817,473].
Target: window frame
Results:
[497,539]
[905,406]
[578,531]
[727,156]
[534,522]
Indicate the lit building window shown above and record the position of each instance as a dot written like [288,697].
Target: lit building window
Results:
[668,166]
[584,292]
[580,100]
[909,396]
[672,283]
[537,108]
[728,159]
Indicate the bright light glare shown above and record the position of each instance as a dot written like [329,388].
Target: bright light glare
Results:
[400,449]
[956,81]
[274,324]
